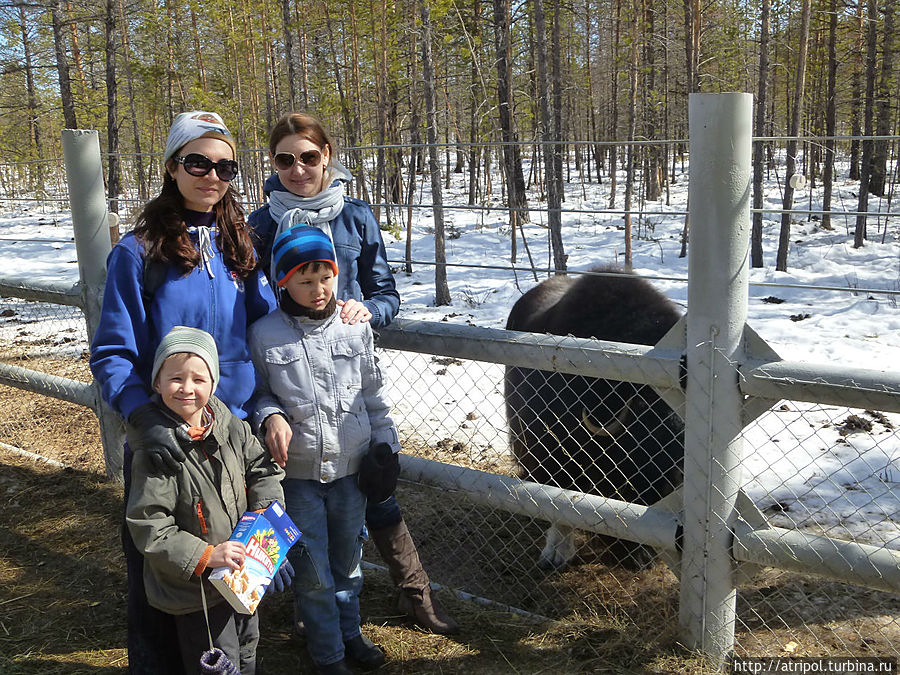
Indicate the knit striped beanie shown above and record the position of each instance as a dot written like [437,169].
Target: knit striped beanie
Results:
[299,245]
[185,340]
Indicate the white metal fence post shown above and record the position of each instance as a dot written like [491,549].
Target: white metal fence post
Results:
[90,222]
[719,197]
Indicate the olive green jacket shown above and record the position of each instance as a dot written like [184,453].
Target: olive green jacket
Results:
[175,517]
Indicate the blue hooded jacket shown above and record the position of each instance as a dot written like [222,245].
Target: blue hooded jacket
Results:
[129,333]
[364,273]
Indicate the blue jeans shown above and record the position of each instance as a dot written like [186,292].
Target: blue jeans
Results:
[385,514]
[326,560]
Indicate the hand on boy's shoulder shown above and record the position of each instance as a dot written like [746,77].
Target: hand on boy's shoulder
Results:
[353,311]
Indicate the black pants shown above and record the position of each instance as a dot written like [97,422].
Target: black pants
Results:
[151,633]
[235,634]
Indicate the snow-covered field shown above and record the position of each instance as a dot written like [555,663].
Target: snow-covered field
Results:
[838,306]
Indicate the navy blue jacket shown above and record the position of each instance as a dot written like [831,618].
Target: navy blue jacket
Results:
[364,273]
[126,339]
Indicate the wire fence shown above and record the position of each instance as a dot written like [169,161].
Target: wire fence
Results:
[815,469]
[823,470]
[39,186]
[806,468]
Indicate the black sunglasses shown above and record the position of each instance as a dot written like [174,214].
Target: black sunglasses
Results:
[200,165]
[285,160]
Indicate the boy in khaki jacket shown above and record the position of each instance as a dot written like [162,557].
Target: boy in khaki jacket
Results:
[181,522]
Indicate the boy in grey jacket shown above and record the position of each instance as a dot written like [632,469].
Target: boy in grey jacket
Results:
[181,522]
[321,406]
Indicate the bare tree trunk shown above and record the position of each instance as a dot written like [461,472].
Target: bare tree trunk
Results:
[339,80]
[666,125]
[474,125]
[304,62]
[143,188]
[593,151]
[77,59]
[62,67]
[239,93]
[34,129]
[865,171]
[273,89]
[415,138]
[393,182]
[198,50]
[557,149]
[552,168]
[784,238]
[856,95]
[289,53]
[632,126]
[172,80]
[883,104]
[830,115]
[759,127]
[380,105]
[512,164]
[614,114]
[252,61]
[692,23]
[362,186]
[653,164]
[441,289]
[113,181]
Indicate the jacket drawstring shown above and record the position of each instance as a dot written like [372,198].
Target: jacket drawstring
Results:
[205,245]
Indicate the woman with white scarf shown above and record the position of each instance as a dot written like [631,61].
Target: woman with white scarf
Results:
[308,187]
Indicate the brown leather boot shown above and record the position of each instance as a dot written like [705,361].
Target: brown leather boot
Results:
[414,595]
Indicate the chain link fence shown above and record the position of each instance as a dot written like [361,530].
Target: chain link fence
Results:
[44,346]
[819,469]
[829,471]
[804,470]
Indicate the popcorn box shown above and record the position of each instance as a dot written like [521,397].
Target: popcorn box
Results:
[267,536]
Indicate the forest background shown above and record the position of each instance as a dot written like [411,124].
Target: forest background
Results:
[530,96]
[595,83]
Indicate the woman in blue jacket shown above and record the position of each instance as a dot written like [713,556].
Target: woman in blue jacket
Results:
[190,261]
[308,187]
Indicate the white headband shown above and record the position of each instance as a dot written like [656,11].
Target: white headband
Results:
[196,124]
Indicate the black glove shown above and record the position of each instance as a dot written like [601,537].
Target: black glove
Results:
[151,430]
[378,472]
[284,576]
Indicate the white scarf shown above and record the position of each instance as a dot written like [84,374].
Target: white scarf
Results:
[288,209]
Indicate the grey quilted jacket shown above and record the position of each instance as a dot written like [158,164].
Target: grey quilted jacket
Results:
[323,376]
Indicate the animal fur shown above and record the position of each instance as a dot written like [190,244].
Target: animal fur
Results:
[614,439]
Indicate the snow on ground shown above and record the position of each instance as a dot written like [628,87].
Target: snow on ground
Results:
[836,306]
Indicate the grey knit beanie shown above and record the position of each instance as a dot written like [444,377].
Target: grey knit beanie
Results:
[185,340]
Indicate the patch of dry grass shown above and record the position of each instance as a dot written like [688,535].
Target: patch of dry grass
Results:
[62,583]
[62,601]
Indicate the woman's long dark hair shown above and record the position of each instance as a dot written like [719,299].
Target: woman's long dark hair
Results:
[162,229]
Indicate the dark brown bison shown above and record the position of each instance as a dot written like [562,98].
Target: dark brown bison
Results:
[615,439]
